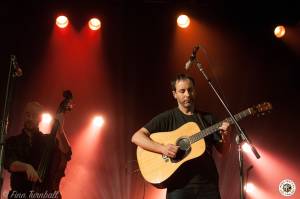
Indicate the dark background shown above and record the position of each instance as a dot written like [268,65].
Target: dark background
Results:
[143,50]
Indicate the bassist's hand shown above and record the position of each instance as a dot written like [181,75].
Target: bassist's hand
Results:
[31,173]
[170,150]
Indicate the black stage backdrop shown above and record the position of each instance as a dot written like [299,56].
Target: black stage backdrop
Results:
[139,50]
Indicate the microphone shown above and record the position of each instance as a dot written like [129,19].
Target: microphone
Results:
[192,58]
[17,70]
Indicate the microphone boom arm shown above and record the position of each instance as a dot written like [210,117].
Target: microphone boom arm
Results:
[243,137]
[240,130]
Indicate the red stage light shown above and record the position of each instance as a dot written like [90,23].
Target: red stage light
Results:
[183,21]
[94,24]
[98,121]
[62,21]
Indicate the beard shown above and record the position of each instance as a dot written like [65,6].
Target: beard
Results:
[31,125]
[188,103]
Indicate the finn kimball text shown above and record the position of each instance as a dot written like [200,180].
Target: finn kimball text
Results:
[33,194]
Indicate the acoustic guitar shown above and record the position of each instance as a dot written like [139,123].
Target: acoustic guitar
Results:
[157,168]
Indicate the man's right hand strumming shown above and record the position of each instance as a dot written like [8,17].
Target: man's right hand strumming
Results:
[170,150]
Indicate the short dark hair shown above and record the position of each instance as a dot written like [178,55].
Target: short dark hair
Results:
[181,77]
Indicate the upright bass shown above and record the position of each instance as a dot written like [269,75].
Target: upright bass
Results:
[52,164]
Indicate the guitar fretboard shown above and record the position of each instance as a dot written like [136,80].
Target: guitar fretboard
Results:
[200,135]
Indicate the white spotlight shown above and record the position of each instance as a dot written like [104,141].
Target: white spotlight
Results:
[246,147]
[249,187]
[98,121]
[46,118]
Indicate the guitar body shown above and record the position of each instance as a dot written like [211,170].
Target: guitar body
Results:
[156,168]
[159,169]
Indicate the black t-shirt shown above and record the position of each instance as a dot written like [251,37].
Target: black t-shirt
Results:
[198,172]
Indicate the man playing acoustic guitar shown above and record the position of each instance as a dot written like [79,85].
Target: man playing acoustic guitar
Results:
[196,178]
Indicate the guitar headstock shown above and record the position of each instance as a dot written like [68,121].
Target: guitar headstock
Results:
[66,104]
[262,109]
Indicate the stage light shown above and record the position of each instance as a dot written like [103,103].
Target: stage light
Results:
[45,124]
[249,187]
[98,121]
[183,21]
[279,31]
[94,24]
[62,21]
[46,118]
[246,147]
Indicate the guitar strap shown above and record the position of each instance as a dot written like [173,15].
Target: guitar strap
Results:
[200,120]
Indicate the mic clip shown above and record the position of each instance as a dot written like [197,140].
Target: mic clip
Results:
[17,70]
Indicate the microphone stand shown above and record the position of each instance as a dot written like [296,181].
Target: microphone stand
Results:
[241,166]
[14,71]
[242,136]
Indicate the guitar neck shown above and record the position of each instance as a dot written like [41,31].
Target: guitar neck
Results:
[214,128]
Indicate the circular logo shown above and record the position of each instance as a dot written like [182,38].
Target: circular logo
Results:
[287,187]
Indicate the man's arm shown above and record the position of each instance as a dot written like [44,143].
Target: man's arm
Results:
[142,139]
[18,166]
[63,143]
[13,164]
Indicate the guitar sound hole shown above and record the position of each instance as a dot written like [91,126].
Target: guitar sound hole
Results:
[184,149]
